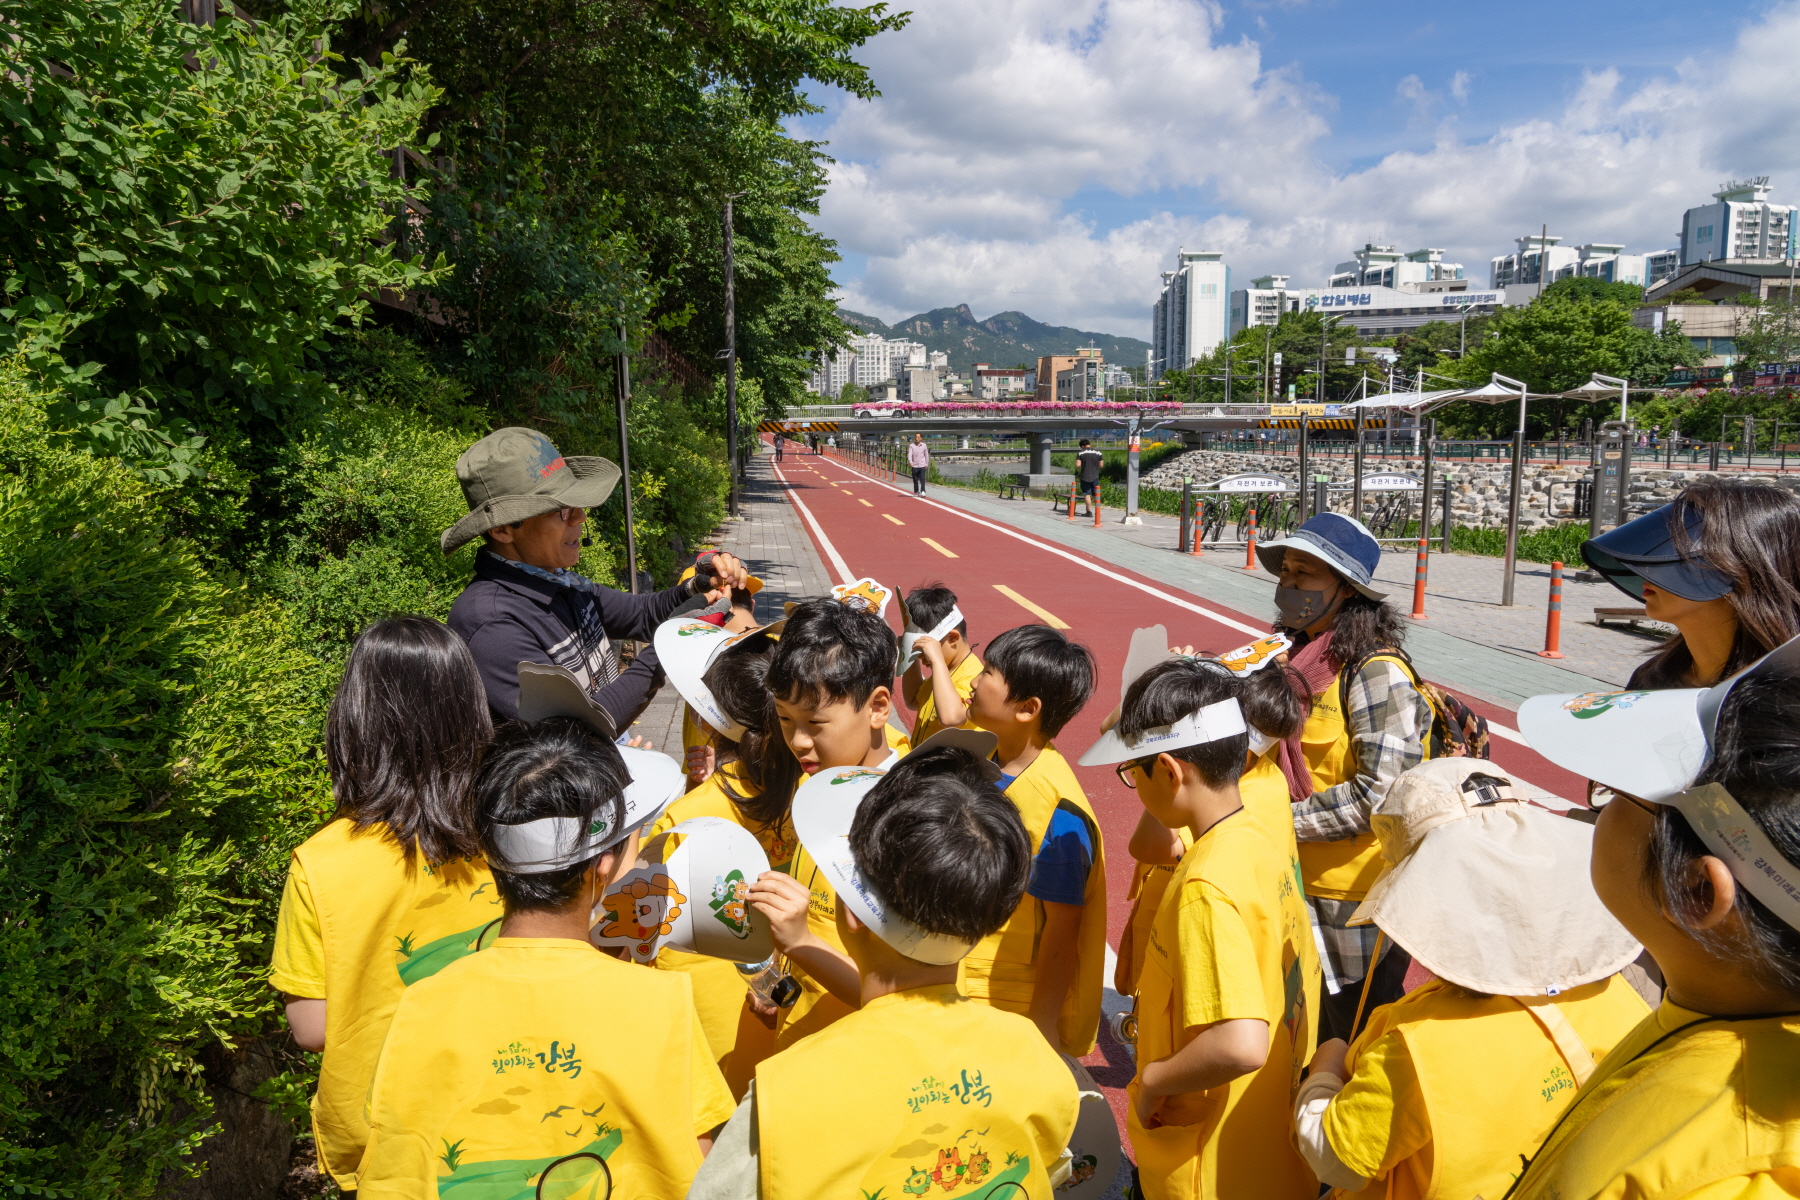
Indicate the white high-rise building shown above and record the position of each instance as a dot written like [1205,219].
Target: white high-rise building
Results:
[870,360]
[1416,271]
[832,374]
[1193,313]
[1739,224]
[1538,257]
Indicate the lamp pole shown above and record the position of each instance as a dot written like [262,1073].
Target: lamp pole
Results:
[1624,387]
[730,355]
[622,395]
[1514,497]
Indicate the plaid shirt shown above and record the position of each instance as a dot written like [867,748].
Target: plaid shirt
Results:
[1388,721]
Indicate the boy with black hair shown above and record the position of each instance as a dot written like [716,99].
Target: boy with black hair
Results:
[1227,998]
[1047,962]
[502,1068]
[925,1088]
[832,677]
[941,702]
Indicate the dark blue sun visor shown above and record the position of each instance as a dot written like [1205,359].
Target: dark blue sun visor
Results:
[1644,550]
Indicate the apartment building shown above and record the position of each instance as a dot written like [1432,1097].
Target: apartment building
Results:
[1193,313]
[1740,223]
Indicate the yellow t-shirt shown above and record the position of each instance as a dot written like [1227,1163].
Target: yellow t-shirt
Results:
[1685,1108]
[533,1051]
[962,679]
[357,926]
[1232,940]
[1447,1089]
[739,1040]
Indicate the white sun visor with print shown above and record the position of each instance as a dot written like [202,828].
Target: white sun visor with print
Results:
[552,843]
[911,633]
[1211,724]
[691,890]
[1652,745]
[687,648]
[825,807]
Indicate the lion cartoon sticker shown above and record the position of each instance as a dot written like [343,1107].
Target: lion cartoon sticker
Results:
[1257,655]
[641,911]
[864,594]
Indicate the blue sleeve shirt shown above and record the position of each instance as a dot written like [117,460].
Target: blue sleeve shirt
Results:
[1059,870]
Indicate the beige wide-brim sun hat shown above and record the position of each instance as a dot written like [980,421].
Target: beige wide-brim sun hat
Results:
[515,474]
[1486,890]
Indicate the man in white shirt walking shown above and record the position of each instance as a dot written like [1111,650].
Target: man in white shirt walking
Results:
[918,457]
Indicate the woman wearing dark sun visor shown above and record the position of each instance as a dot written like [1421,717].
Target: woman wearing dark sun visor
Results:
[1722,565]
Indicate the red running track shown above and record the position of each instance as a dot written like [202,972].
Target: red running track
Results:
[1002,578]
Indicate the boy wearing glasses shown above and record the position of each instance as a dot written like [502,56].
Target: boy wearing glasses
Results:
[1228,996]
[1046,963]
[527,603]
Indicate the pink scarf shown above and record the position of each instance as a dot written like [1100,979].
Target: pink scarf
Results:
[1315,666]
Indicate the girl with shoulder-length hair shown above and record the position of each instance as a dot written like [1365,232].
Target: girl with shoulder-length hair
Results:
[1722,565]
[394,888]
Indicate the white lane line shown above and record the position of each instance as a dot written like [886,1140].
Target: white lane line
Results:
[1494,727]
[831,552]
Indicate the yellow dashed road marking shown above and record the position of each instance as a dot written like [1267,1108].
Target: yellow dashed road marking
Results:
[940,549]
[895,520]
[1049,618]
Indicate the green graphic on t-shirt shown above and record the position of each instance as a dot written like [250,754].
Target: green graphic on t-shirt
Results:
[513,1178]
[432,957]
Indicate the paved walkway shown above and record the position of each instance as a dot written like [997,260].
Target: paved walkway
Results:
[768,536]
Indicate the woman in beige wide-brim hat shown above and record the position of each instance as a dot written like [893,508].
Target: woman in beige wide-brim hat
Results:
[1446,1087]
[527,604]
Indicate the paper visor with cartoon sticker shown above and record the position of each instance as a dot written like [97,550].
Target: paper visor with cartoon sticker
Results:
[863,593]
[714,865]
[912,633]
[1247,660]
[1651,745]
[687,647]
[1094,1145]
[552,843]
[825,807]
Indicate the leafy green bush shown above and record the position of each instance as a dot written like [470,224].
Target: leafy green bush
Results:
[1557,543]
[160,759]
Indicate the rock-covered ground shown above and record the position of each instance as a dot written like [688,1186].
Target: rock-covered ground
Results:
[1480,490]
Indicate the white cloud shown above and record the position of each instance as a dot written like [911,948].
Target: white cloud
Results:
[1000,121]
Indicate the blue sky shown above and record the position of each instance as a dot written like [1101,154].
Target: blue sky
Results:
[1051,155]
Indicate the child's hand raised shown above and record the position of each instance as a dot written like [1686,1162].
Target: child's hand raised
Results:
[931,650]
[782,902]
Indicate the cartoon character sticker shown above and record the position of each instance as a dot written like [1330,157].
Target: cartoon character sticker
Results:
[865,594]
[640,911]
[1080,1171]
[1594,704]
[1257,655]
[730,894]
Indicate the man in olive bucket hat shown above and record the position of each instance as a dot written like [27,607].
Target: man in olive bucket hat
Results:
[526,603]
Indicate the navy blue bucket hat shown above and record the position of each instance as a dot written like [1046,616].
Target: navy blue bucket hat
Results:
[1342,543]
[1644,550]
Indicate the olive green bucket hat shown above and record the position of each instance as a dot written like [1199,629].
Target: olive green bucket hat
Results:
[513,474]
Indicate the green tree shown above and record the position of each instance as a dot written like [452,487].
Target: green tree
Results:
[1765,331]
[1584,289]
[189,211]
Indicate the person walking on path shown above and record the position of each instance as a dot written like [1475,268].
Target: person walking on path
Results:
[526,603]
[1088,460]
[918,457]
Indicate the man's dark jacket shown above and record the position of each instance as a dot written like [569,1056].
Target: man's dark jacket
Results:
[508,616]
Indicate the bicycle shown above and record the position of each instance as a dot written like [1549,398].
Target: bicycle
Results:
[1393,512]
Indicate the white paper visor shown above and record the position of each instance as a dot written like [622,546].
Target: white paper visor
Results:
[1213,723]
[1738,841]
[550,844]
[908,640]
[824,809]
[686,648]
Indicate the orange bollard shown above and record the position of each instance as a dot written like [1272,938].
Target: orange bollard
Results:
[1250,563]
[1418,612]
[1194,550]
[1096,510]
[1553,622]
[1071,500]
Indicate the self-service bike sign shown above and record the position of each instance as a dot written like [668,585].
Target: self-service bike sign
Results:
[1253,483]
[1392,481]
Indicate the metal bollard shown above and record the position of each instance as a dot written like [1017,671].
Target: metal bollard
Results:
[1553,620]
[1199,530]
[1250,542]
[1418,612]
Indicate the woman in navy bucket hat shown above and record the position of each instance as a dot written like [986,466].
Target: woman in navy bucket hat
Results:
[1722,565]
[1368,722]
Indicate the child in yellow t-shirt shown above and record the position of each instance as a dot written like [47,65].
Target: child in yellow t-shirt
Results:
[394,888]
[937,636]
[921,1089]
[1696,855]
[541,1065]
[1448,1085]
[1228,992]
[1047,962]
[831,678]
